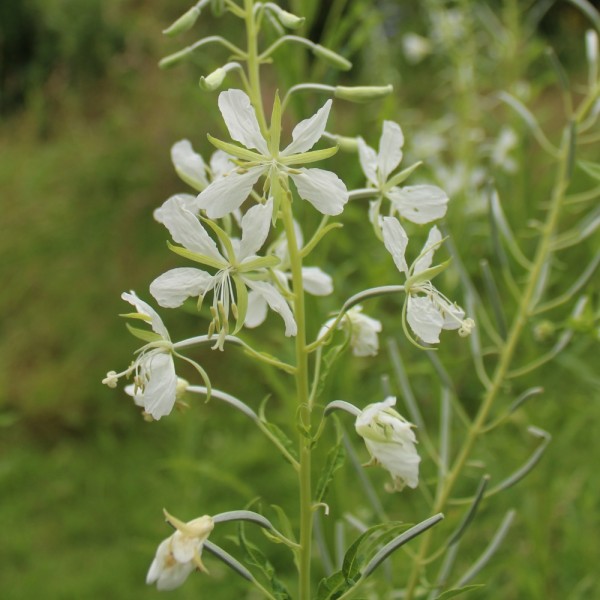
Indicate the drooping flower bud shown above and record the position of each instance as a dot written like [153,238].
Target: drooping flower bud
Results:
[363,94]
[184,23]
[213,81]
[287,19]
[331,58]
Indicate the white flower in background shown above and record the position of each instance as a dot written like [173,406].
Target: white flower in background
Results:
[180,554]
[314,280]
[240,269]
[390,440]
[323,189]
[155,382]
[363,330]
[192,169]
[416,47]
[417,203]
[428,311]
[502,147]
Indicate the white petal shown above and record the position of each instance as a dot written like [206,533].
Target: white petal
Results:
[368,161]
[255,229]
[453,314]
[160,389]
[158,564]
[172,288]
[424,319]
[419,203]
[228,193]
[184,547]
[431,245]
[402,461]
[185,228]
[276,302]
[395,240]
[316,281]
[323,189]
[189,164]
[145,309]
[221,164]
[257,310]
[240,118]
[390,149]
[308,132]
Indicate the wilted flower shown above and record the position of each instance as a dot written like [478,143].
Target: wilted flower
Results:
[417,203]
[155,382]
[323,189]
[180,554]
[240,269]
[428,311]
[390,440]
[363,330]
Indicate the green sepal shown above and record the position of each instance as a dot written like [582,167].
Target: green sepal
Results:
[403,175]
[275,131]
[309,157]
[138,316]
[236,151]
[241,302]
[143,334]
[223,237]
[261,262]
[427,274]
[196,256]
[195,183]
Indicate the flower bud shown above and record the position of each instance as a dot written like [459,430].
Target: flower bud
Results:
[218,7]
[173,59]
[331,58]
[363,94]
[287,19]
[184,23]
[213,82]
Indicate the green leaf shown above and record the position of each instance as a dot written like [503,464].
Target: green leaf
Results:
[458,591]
[332,354]
[282,437]
[333,586]
[335,459]
[142,334]
[592,169]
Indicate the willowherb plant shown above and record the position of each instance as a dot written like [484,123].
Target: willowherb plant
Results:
[240,229]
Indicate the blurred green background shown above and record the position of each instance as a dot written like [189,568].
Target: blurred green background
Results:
[86,123]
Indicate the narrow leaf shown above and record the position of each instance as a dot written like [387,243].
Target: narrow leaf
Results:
[459,591]
[335,459]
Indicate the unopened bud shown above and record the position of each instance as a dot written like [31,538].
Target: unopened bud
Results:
[218,7]
[332,58]
[184,23]
[363,94]
[173,59]
[287,19]
[213,82]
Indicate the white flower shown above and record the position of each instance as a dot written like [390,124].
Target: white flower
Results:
[417,203]
[390,440]
[363,331]
[323,189]
[153,370]
[180,554]
[240,269]
[428,311]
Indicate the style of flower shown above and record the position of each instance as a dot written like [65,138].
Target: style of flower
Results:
[323,189]
[427,310]
[179,554]
[192,169]
[315,281]
[390,440]
[155,382]
[417,203]
[363,330]
[240,269]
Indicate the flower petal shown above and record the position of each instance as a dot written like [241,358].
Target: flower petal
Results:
[419,203]
[221,164]
[255,229]
[390,149]
[308,132]
[276,302]
[185,228]
[257,310]
[240,118]
[424,318]
[431,245]
[395,240]
[160,388]
[228,193]
[145,309]
[368,161]
[323,189]
[189,164]
[172,288]
[316,281]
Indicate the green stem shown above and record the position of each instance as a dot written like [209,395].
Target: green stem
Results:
[304,475]
[254,90]
[520,321]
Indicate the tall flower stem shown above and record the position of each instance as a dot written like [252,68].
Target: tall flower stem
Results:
[524,311]
[302,392]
